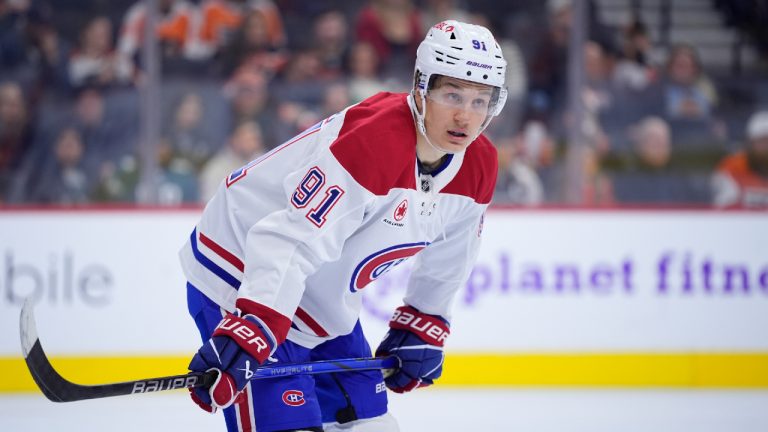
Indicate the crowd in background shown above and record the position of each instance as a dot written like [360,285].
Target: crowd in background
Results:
[239,77]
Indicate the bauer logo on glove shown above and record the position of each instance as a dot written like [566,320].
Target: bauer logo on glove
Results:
[238,345]
[417,339]
[433,330]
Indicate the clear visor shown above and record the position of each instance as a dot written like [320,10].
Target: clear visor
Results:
[477,100]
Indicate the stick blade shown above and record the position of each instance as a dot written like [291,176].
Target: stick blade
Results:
[53,386]
[27,327]
[58,389]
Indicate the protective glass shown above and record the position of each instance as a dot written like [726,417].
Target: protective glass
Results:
[476,101]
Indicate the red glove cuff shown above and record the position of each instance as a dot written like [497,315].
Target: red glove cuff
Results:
[278,323]
[430,328]
[247,335]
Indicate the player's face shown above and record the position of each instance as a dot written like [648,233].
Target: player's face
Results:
[455,111]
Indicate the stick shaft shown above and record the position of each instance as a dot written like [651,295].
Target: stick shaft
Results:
[59,389]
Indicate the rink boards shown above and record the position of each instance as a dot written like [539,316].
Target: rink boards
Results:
[557,298]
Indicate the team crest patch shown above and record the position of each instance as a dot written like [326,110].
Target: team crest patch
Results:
[400,210]
[398,215]
[293,398]
[376,264]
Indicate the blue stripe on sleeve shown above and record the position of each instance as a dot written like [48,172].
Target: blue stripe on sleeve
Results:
[212,266]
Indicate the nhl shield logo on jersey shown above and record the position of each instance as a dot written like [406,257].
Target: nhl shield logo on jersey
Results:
[293,398]
[376,264]
[400,210]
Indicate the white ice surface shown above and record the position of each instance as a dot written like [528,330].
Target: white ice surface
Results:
[529,410]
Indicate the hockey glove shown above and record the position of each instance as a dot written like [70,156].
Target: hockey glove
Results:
[237,346]
[417,340]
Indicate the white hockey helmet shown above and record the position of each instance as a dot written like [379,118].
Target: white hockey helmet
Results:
[463,51]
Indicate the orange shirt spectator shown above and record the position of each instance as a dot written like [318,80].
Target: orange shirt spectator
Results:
[218,18]
[221,18]
[741,180]
[173,27]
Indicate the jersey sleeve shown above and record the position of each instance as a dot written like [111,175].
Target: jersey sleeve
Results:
[323,207]
[443,266]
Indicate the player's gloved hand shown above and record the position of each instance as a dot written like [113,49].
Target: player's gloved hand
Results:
[238,345]
[417,339]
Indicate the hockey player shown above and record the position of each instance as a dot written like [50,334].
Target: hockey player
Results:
[277,262]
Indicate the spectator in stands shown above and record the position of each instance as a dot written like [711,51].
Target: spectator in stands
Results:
[301,80]
[598,94]
[634,70]
[245,145]
[15,135]
[221,20]
[531,147]
[64,179]
[518,182]
[94,61]
[634,87]
[177,179]
[331,40]
[604,111]
[186,134]
[741,179]
[393,28]
[688,99]
[174,31]
[336,99]
[293,118]
[117,182]
[105,138]
[363,72]
[648,176]
[249,100]
[253,47]
[688,93]
[41,53]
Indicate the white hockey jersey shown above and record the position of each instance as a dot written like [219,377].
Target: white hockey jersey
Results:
[296,234]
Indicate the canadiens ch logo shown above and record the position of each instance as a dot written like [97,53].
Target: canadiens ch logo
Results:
[375,265]
[293,397]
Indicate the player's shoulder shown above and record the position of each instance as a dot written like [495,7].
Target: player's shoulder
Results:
[477,176]
[376,143]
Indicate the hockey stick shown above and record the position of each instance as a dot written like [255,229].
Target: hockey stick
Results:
[59,389]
